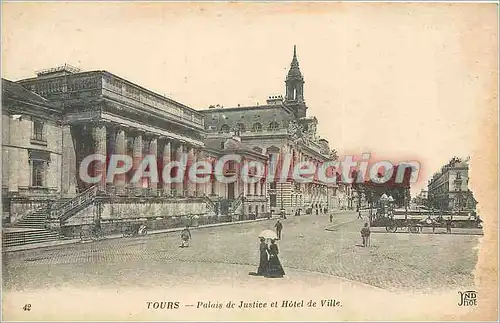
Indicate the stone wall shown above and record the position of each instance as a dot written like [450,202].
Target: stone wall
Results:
[156,213]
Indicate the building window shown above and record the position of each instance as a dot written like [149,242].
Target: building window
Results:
[38,173]
[273,126]
[224,128]
[272,200]
[257,127]
[240,127]
[38,130]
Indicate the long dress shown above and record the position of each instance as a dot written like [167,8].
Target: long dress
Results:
[264,260]
[275,268]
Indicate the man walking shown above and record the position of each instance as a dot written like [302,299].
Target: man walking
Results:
[360,216]
[448,225]
[279,227]
[365,235]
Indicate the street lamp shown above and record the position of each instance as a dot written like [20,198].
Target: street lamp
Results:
[282,211]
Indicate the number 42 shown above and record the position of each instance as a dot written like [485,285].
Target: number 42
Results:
[27,307]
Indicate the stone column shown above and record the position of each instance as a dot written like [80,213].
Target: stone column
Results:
[200,188]
[99,137]
[137,158]
[120,149]
[69,170]
[153,150]
[167,154]
[190,185]
[179,187]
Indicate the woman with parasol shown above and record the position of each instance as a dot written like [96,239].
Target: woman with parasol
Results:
[264,251]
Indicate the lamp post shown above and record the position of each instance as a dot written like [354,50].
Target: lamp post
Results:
[282,211]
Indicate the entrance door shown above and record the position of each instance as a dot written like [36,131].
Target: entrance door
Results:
[230,191]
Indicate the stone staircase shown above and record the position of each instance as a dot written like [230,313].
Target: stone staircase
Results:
[31,227]
[12,237]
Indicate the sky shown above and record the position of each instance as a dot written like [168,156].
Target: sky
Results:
[401,81]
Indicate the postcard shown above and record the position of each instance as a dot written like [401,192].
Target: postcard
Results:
[246,161]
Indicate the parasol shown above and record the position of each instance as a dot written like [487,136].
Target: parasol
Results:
[268,234]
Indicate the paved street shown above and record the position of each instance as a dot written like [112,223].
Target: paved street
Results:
[394,261]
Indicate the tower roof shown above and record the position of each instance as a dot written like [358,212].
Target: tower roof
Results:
[294,72]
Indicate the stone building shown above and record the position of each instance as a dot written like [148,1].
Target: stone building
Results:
[31,151]
[53,121]
[246,200]
[449,189]
[281,126]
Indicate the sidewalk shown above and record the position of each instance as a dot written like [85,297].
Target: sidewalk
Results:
[119,235]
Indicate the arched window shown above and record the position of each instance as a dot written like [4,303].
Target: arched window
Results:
[240,127]
[224,128]
[273,126]
[257,127]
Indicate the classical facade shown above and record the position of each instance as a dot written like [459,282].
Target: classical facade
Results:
[449,188]
[53,121]
[63,116]
[281,127]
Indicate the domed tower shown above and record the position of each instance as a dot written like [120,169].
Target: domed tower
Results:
[294,97]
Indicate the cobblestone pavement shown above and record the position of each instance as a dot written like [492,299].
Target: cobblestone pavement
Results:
[394,261]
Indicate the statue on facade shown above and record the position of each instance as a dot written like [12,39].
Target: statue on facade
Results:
[295,131]
[333,155]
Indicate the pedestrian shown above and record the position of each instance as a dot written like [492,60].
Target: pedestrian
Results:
[264,258]
[275,269]
[331,217]
[360,216]
[185,237]
[365,234]
[448,225]
[279,227]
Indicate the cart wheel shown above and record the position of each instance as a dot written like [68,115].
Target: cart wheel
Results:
[391,228]
[413,229]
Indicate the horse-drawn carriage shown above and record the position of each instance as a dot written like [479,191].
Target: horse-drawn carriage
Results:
[415,220]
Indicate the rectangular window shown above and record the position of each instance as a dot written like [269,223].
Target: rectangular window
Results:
[38,130]
[38,173]
[272,200]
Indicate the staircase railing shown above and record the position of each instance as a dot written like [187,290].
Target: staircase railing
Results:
[211,204]
[237,203]
[64,211]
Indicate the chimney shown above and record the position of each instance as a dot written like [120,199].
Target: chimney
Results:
[274,99]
